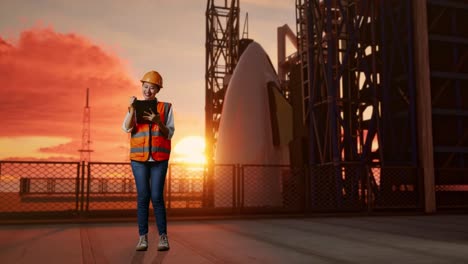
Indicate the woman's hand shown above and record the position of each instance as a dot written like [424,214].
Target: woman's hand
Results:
[153,117]
[131,101]
[129,121]
[156,118]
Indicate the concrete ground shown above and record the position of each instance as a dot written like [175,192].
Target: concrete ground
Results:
[395,239]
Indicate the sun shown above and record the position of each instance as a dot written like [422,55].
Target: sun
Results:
[190,150]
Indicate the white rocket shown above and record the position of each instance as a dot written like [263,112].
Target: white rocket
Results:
[246,133]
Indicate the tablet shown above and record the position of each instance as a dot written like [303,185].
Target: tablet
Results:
[141,106]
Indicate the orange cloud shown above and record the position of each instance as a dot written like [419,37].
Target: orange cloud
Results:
[43,85]
[66,148]
[32,158]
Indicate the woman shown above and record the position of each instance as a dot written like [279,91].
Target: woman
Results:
[150,147]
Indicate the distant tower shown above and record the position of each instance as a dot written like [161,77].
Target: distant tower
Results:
[86,133]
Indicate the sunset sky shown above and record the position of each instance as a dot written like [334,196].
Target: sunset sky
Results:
[52,50]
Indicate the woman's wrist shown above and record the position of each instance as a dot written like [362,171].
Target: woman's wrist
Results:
[158,122]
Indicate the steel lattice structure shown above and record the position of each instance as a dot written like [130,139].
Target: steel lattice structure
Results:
[222,53]
[85,151]
[355,66]
[357,85]
[448,60]
[448,41]
[222,46]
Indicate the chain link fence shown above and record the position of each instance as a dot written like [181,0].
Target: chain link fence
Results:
[39,188]
[185,186]
[30,190]
[109,188]
[337,187]
[272,188]
[397,188]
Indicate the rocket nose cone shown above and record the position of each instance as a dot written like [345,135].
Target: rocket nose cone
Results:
[253,71]
[245,134]
[255,58]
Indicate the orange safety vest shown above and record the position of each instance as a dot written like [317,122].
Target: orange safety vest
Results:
[146,138]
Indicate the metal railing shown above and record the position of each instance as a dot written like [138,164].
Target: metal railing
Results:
[30,190]
[35,189]
[451,188]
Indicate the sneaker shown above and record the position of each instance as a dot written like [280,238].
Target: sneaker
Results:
[163,243]
[142,243]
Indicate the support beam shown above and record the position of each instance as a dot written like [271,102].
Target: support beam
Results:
[284,32]
[423,102]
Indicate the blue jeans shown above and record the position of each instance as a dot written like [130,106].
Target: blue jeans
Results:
[149,180]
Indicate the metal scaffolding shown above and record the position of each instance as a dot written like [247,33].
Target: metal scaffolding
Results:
[357,86]
[448,42]
[356,58]
[222,53]
[448,64]
[222,44]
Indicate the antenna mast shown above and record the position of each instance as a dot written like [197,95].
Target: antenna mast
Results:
[86,132]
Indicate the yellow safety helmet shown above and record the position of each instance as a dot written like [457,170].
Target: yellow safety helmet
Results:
[153,77]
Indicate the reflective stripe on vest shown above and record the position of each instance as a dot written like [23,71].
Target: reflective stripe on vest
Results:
[140,139]
[157,149]
[146,134]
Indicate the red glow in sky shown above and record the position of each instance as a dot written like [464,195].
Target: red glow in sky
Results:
[44,80]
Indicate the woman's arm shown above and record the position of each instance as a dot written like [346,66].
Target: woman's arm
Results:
[170,123]
[129,120]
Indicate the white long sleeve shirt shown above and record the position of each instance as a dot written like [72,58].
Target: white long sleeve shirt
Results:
[169,125]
